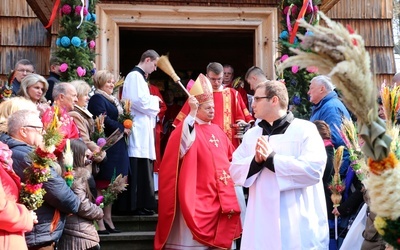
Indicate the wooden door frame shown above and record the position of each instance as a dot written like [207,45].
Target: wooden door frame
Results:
[110,17]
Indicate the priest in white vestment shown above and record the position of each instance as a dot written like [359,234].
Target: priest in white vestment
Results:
[281,160]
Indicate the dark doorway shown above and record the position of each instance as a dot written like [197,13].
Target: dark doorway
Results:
[189,50]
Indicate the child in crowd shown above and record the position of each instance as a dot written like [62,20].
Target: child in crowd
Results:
[80,232]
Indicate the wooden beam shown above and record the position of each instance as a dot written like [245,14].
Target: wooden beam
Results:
[326,5]
[42,9]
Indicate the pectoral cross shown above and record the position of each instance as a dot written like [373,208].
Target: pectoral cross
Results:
[214,140]
[224,177]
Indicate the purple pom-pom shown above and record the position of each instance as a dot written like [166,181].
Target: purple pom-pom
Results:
[101,142]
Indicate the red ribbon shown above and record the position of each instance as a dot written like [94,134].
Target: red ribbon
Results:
[296,25]
[53,13]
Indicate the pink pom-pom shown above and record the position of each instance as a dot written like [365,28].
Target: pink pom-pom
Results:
[63,67]
[85,11]
[190,84]
[66,9]
[284,57]
[92,44]
[295,69]
[309,9]
[101,142]
[99,200]
[312,69]
[316,8]
[81,71]
[285,10]
[78,10]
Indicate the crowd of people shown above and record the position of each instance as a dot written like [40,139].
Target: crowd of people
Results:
[192,155]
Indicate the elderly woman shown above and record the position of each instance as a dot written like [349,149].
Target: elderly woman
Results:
[103,102]
[10,106]
[34,88]
[84,119]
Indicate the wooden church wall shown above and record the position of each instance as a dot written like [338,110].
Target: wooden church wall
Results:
[22,35]
[372,19]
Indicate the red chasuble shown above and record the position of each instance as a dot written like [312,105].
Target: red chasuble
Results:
[159,127]
[229,109]
[201,185]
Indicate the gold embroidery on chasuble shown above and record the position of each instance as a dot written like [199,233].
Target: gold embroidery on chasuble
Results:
[214,140]
[224,177]
[181,116]
[227,115]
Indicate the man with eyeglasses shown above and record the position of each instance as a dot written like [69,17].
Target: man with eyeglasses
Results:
[25,132]
[281,160]
[22,68]
[65,97]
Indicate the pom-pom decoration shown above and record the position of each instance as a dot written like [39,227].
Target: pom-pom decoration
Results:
[81,71]
[66,9]
[63,67]
[65,41]
[76,41]
[101,142]
[284,35]
[92,44]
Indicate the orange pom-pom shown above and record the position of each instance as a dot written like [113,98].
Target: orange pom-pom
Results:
[128,124]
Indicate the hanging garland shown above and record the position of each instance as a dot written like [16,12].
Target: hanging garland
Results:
[297,80]
[76,39]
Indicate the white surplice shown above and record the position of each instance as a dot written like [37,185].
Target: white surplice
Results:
[286,209]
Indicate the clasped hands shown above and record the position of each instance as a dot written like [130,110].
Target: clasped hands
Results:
[263,149]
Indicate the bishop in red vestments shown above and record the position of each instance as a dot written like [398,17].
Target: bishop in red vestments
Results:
[198,206]
[229,106]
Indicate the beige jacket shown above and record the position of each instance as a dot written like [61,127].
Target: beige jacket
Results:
[80,231]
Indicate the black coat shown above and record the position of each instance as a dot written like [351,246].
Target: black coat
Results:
[117,160]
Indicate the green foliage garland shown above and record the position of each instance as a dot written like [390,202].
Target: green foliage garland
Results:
[79,54]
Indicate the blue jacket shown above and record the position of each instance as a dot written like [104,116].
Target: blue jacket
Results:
[331,110]
[58,196]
